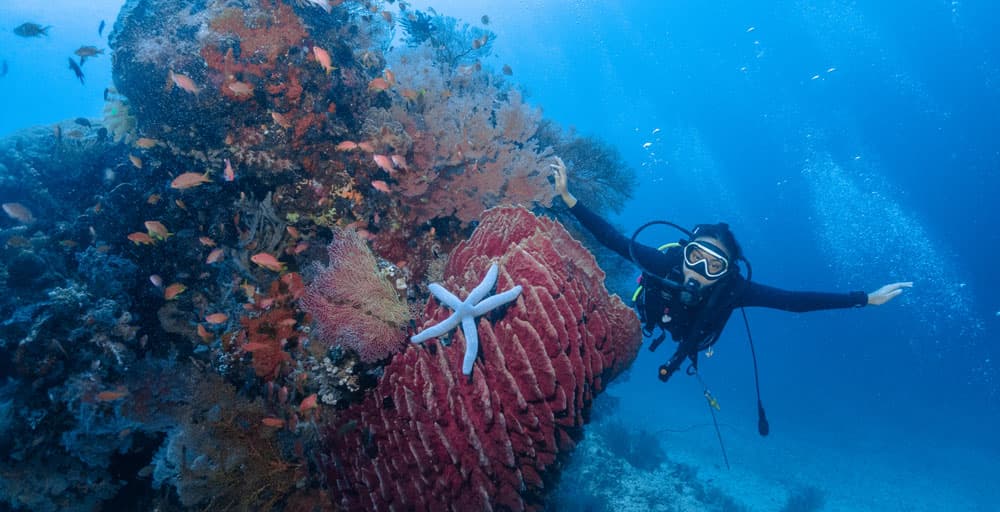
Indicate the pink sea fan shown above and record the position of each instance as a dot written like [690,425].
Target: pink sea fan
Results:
[352,304]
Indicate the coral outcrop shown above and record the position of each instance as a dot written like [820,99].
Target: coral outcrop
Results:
[426,438]
[156,342]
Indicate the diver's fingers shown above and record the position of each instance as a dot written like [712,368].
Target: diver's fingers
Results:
[894,293]
[896,287]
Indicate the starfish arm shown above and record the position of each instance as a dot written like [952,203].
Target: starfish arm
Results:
[437,329]
[471,343]
[483,288]
[448,298]
[490,303]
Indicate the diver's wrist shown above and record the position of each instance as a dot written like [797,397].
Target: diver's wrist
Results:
[569,199]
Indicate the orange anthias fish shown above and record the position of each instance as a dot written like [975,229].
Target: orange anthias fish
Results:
[308,402]
[281,120]
[366,147]
[146,142]
[217,318]
[184,82]
[215,256]
[204,334]
[409,94]
[229,174]
[346,146]
[157,230]
[323,57]
[271,421]
[140,238]
[400,162]
[18,212]
[173,291]
[384,163]
[267,261]
[136,161]
[189,180]
[390,77]
[378,84]
[206,241]
[380,185]
[110,396]
[240,89]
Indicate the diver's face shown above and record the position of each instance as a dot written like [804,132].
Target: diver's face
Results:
[691,274]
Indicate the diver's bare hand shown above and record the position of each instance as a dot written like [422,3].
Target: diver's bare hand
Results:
[887,293]
[561,179]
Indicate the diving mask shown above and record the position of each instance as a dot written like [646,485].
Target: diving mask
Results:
[706,259]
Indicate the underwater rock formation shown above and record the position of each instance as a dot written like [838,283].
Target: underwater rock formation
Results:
[426,438]
[156,343]
[600,478]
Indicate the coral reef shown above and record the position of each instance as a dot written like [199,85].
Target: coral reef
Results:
[427,438]
[158,340]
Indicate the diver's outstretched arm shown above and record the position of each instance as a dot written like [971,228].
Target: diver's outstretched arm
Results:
[887,293]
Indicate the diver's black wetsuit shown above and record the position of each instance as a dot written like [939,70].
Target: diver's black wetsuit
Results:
[741,292]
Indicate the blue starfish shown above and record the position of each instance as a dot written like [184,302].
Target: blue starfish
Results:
[466,312]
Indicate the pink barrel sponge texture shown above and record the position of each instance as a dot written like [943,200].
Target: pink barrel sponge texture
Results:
[426,438]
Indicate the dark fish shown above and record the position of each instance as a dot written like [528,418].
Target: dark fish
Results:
[100,28]
[485,19]
[102,134]
[32,30]
[106,93]
[76,69]
[82,121]
[3,69]
[88,51]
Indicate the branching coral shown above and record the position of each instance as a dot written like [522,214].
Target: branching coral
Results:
[601,178]
[473,145]
[454,43]
[222,456]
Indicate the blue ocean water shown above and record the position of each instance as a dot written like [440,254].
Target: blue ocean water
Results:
[849,145]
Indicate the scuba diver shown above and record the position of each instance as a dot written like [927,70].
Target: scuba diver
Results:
[689,289]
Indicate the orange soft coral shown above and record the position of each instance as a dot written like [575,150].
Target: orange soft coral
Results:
[272,330]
